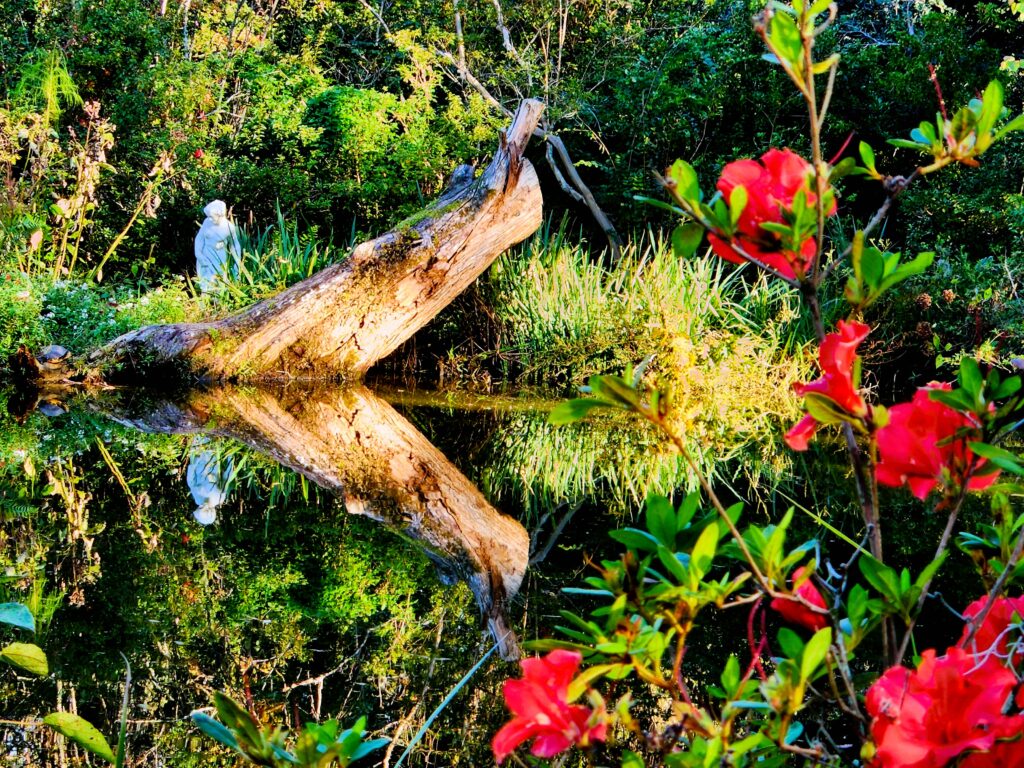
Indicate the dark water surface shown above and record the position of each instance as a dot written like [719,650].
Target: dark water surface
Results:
[311,551]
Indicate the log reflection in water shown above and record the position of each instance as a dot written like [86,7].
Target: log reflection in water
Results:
[351,442]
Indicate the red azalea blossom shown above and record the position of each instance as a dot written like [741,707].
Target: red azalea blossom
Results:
[995,633]
[910,452]
[796,612]
[836,358]
[771,184]
[949,706]
[541,712]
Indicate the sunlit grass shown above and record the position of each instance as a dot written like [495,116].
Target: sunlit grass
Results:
[726,343]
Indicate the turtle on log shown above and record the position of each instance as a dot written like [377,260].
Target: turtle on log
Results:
[53,363]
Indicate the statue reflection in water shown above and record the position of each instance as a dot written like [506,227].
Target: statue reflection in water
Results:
[208,475]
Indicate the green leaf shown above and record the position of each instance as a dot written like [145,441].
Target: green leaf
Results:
[634,538]
[369,746]
[731,676]
[656,203]
[737,203]
[17,615]
[815,652]
[687,510]
[704,551]
[957,399]
[660,518]
[998,456]
[915,266]
[904,144]
[790,643]
[686,239]
[632,760]
[674,563]
[1008,387]
[867,156]
[26,656]
[583,680]
[881,577]
[844,167]
[823,66]
[971,380]
[930,570]
[991,107]
[872,267]
[1017,124]
[681,173]
[615,390]
[824,409]
[215,730]
[82,732]
[238,720]
[573,410]
[785,39]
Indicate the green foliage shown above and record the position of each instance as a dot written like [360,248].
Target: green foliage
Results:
[21,301]
[82,317]
[875,272]
[275,259]
[320,745]
[82,732]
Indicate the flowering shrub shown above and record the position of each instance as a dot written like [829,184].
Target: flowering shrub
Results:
[771,187]
[925,444]
[799,609]
[840,657]
[949,706]
[541,710]
[834,397]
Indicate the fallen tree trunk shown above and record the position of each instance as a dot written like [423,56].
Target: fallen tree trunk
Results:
[340,321]
[354,444]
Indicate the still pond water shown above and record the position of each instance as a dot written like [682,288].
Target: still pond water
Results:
[315,553]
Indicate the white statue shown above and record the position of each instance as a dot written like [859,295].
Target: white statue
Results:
[216,241]
[208,476]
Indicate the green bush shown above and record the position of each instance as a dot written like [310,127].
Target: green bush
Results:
[21,301]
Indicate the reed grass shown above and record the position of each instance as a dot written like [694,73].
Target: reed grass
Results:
[276,258]
[726,343]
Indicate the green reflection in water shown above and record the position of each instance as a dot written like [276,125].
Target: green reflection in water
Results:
[285,600]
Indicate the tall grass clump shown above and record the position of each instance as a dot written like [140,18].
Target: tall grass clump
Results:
[725,341]
[274,259]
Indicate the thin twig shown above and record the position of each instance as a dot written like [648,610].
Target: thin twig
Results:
[943,543]
[997,588]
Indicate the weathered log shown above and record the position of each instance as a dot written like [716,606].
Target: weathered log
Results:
[340,321]
[351,442]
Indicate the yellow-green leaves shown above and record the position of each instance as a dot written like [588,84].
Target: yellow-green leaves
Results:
[26,656]
[82,732]
[965,136]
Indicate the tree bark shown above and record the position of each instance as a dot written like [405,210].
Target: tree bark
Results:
[354,444]
[339,322]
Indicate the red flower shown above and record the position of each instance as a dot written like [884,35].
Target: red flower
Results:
[917,447]
[771,184]
[998,630]
[795,612]
[540,710]
[837,358]
[197,154]
[1003,754]
[948,706]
